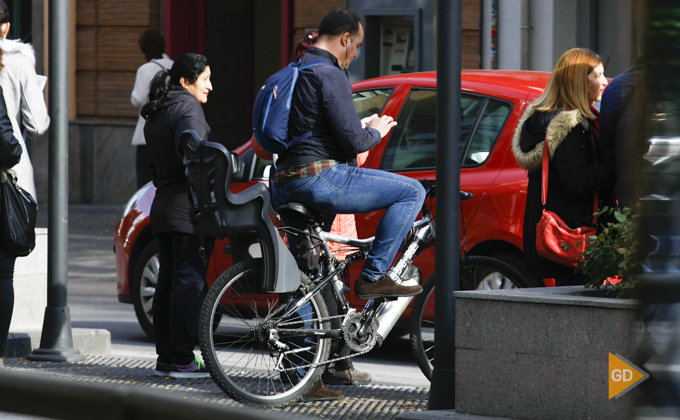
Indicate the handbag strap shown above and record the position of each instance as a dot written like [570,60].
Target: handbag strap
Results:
[4,172]
[544,177]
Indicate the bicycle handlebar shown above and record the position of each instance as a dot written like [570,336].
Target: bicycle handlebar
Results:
[430,190]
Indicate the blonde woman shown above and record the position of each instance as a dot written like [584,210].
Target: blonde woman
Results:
[564,116]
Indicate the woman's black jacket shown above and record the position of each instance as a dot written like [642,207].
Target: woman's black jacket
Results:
[10,148]
[574,177]
[177,112]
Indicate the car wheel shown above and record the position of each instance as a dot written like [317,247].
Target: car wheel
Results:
[517,262]
[143,286]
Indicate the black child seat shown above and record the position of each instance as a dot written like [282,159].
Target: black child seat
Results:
[243,217]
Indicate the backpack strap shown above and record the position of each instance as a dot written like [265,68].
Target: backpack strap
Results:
[308,134]
[158,64]
[310,64]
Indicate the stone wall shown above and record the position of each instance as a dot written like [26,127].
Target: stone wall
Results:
[541,353]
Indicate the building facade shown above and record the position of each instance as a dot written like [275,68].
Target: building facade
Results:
[248,40]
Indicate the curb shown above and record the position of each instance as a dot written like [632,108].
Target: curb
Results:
[442,414]
[88,341]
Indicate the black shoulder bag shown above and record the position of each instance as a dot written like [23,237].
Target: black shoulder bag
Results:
[18,211]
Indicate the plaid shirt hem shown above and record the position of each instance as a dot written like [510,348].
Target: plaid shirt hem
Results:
[304,170]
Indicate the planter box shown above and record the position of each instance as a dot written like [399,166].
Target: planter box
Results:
[541,353]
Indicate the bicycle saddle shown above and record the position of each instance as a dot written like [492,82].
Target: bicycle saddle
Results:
[243,217]
[299,211]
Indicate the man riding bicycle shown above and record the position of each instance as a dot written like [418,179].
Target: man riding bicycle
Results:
[320,172]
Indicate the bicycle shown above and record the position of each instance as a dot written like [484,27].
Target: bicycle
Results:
[266,347]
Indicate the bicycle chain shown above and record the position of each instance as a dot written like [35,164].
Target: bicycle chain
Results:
[321,363]
[308,320]
[310,365]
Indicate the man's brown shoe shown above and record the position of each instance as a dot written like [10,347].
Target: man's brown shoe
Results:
[384,287]
[321,392]
[349,376]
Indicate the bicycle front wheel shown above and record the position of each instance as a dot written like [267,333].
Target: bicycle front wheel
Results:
[476,272]
[240,346]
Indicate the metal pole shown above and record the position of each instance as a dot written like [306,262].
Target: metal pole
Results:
[16,20]
[449,47]
[56,341]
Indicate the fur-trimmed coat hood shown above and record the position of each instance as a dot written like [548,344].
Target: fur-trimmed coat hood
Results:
[12,48]
[535,126]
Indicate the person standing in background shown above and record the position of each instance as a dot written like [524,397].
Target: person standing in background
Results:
[11,153]
[23,96]
[22,106]
[174,107]
[152,45]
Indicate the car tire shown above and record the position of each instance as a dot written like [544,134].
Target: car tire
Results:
[484,273]
[143,286]
[515,260]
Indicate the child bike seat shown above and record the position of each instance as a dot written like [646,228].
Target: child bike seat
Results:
[243,217]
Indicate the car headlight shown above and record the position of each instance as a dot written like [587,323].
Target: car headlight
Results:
[132,202]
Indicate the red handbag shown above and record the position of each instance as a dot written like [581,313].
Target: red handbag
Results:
[555,240]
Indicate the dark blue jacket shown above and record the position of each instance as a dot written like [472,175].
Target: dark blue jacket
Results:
[322,103]
[622,135]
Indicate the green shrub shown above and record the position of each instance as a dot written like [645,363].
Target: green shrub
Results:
[613,252]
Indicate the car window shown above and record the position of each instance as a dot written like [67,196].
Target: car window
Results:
[369,102]
[262,167]
[412,144]
[487,131]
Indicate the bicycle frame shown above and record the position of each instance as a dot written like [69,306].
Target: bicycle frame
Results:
[419,238]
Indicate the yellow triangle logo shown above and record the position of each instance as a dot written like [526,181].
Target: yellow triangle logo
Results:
[623,376]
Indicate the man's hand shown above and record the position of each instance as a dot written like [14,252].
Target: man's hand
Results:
[367,120]
[384,124]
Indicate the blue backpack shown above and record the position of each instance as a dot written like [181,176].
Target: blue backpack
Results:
[272,109]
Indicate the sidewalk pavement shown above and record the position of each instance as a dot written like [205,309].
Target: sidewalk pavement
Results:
[359,402]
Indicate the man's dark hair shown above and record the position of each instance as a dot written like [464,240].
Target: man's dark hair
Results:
[152,44]
[340,21]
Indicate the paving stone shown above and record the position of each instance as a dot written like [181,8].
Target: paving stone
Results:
[359,402]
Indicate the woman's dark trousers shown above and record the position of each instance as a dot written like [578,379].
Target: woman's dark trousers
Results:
[6,298]
[176,303]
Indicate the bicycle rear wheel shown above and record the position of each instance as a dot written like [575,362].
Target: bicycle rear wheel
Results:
[236,342]
[476,272]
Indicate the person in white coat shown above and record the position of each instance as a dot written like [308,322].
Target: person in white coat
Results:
[23,96]
[23,107]
[152,45]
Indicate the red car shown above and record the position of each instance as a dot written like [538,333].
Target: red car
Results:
[492,101]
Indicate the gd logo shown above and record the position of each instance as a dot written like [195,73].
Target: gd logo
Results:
[623,376]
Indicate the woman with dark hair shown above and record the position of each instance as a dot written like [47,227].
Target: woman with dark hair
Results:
[565,118]
[175,98]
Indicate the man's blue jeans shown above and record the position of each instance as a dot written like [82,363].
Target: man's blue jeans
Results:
[344,189]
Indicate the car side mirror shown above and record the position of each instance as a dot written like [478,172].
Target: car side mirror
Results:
[238,168]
